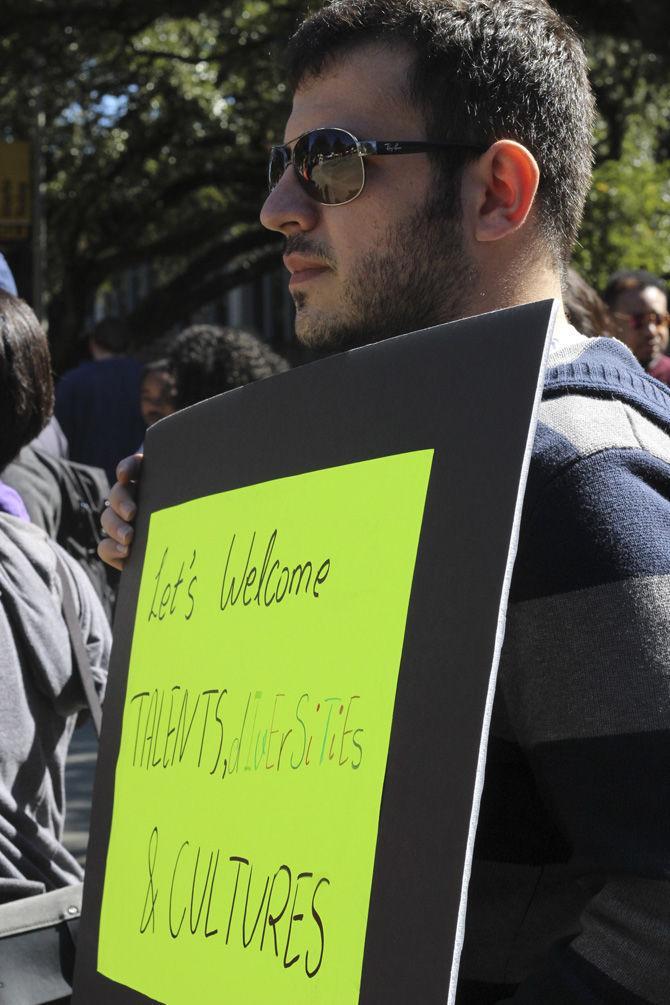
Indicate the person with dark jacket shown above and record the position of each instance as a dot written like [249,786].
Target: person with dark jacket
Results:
[98,403]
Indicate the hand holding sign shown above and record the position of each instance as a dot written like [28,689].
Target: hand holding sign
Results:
[117,518]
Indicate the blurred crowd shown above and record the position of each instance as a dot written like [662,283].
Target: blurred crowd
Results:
[104,406]
[58,475]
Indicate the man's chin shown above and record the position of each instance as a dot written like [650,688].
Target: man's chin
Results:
[313,330]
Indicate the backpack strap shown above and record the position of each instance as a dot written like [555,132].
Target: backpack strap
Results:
[78,648]
[40,911]
[37,947]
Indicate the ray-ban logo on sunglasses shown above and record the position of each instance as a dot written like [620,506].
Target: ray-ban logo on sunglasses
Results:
[392,147]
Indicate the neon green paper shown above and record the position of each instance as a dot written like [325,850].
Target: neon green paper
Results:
[233,772]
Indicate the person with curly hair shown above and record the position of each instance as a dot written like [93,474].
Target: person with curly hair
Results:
[208,359]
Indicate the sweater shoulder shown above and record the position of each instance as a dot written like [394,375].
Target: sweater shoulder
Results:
[597,399]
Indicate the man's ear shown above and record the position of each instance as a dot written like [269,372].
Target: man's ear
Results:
[502,186]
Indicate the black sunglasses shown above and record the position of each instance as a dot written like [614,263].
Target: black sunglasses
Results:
[329,163]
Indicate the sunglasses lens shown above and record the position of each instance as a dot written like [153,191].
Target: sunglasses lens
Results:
[328,166]
[278,163]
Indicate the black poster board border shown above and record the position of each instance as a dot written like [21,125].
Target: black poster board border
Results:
[470,391]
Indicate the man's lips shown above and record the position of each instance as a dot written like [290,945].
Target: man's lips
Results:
[303,270]
[306,275]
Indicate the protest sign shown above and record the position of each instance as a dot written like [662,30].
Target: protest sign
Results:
[305,651]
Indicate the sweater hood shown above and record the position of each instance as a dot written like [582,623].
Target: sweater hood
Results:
[30,615]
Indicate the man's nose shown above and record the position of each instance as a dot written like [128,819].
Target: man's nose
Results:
[288,209]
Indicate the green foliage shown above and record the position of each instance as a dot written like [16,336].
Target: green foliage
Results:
[627,221]
[157,128]
[158,116]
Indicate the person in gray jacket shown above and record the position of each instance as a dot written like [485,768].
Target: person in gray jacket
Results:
[40,693]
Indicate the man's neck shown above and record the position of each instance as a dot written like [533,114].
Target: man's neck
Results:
[502,292]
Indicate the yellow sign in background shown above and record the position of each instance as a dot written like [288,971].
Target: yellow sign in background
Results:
[261,687]
[15,202]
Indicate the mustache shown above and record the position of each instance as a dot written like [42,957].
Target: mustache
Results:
[303,245]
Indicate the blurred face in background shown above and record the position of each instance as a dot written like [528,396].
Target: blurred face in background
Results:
[642,320]
[157,394]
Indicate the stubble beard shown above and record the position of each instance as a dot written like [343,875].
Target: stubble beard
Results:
[420,277]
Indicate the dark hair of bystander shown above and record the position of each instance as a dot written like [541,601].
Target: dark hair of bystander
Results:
[209,359]
[26,383]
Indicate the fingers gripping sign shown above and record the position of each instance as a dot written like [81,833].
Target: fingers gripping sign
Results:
[118,516]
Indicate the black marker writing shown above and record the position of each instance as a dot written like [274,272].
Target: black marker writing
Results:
[278,911]
[168,597]
[273,581]
[225,735]
[149,909]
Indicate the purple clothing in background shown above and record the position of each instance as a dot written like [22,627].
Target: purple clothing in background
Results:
[98,407]
[12,503]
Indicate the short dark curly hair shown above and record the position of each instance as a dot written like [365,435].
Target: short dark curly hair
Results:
[209,359]
[630,279]
[26,382]
[484,70]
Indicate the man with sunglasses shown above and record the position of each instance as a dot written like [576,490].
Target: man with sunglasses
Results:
[435,164]
[639,303]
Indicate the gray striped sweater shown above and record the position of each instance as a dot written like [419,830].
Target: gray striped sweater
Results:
[569,901]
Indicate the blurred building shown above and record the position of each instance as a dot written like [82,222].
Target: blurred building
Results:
[263,306]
